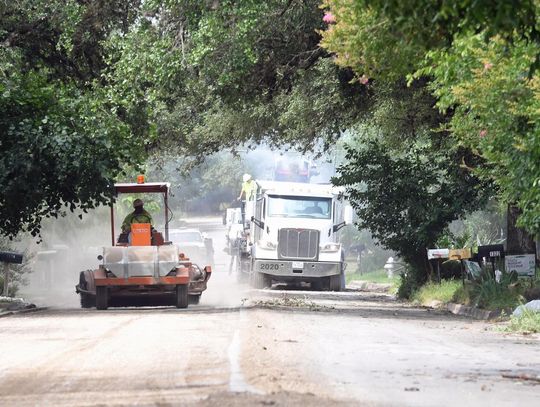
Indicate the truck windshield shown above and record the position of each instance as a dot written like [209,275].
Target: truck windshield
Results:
[299,207]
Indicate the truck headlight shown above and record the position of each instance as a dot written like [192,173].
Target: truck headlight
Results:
[268,245]
[330,247]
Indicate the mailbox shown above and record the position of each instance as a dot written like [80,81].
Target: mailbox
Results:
[8,257]
[491,251]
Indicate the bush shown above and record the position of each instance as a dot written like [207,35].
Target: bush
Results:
[532,292]
[411,280]
[486,292]
[463,294]
[13,286]
[431,291]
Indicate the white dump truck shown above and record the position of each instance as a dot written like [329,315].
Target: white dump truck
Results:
[292,235]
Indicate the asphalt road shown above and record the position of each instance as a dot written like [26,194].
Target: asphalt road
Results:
[278,347]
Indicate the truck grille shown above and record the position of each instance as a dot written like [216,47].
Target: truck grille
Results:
[298,244]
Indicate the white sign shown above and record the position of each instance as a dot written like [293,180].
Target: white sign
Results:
[438,254]
[522,264]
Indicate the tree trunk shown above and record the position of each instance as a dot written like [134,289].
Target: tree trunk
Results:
[518,241]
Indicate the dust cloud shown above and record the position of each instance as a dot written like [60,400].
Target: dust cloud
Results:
[68,246]
[224,289]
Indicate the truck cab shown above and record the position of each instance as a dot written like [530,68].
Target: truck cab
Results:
[294,234]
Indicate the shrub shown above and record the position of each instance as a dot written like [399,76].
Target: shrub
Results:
[486,292]
[431,291]
[463,294]
[411,280]
[532,292]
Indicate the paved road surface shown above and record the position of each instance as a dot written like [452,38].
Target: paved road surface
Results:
[244,347]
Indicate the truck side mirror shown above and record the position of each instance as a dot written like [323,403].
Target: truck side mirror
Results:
[348,215]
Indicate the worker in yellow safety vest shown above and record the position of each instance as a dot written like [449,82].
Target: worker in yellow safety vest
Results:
[139,215]
[249,188]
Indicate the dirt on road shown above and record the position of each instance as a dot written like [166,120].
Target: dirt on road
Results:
[279,347]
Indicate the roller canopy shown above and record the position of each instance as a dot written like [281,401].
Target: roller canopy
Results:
[132,188]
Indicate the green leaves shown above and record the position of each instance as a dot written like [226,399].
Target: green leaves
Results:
[388,39]
[63,137]
[492,98]
[407,198]
[209,76]
[61,150]
[481,59]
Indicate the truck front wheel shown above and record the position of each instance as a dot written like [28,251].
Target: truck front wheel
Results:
[337,282]
[260,280]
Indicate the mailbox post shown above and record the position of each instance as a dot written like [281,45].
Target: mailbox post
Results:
[8,258]
[438,254]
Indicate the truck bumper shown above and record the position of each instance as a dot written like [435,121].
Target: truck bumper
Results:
[302,269]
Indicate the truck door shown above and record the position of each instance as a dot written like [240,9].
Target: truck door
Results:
[259,217]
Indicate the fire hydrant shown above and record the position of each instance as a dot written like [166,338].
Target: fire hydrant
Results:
[389,267]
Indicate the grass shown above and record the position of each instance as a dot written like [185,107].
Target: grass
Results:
[527,322]
[505,301]
[462,295]
[379,276]
[443,292]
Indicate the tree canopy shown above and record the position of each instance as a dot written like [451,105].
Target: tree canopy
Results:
[90,87]
[481,62]
[441,100]
[62,142]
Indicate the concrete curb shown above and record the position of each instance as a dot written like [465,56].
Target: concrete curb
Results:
[22,311]
[472,312]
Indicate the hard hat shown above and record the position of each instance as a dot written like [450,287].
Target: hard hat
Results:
[138,202]
[246,177]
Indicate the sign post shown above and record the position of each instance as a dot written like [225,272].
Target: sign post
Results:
[460,254]
[438,254]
